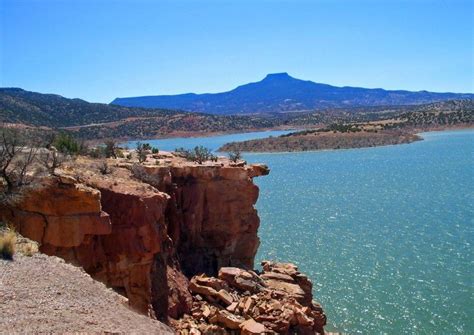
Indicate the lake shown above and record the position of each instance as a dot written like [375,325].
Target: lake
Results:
[384,233]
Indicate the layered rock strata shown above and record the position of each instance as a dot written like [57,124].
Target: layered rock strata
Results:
[143,230]
[137,239]
[211,216]
[71,219]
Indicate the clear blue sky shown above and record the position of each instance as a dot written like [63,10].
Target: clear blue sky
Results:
[102,49]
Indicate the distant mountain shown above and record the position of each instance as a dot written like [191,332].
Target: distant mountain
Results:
[52,110]
[280,92]
[94,120]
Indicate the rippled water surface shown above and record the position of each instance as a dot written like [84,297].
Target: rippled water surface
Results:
[385,233]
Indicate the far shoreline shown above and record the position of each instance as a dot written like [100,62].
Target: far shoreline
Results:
[359,148]
[196,135]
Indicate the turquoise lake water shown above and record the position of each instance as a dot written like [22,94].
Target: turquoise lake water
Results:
[384,233]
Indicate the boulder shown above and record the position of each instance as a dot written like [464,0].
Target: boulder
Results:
[251,327]
[215,283]
[232,307]
[271,302]
[225,297]
[292,290]
[277,276]
[229,320]
[229,273]
[200,289]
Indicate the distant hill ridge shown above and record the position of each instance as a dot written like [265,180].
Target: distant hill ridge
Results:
[52,110]
[95,120]
[279,92]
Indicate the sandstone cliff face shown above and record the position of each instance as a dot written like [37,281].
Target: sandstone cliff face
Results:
[211,216]
[139,237]
[72,220]
[60,213]
[144,230]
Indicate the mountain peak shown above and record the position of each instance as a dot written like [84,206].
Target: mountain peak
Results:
[278,76]
[280,92]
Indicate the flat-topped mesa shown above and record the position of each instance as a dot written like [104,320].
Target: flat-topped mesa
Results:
[140,227]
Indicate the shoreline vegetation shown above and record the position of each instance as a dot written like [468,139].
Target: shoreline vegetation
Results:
[315,141]
[344,136]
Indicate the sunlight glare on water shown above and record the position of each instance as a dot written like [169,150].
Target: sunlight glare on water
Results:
[384,233]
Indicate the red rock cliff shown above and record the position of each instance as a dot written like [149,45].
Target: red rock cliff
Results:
[211,216]
[71,219]
[139,240]
[144,230]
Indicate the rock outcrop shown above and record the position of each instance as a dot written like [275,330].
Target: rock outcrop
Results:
[279,300]
[211,216]
[71,219]
[144,230]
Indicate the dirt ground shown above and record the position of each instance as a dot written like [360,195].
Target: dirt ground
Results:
[42,294]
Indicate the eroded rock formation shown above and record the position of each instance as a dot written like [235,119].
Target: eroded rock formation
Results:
[211,216]
[71,219]
[145,232]
[279,300]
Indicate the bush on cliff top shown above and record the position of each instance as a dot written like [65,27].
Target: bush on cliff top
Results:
[199,154]
[67,144]
[235,155]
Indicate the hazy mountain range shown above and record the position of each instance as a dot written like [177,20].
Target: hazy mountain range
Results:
[95,120]
[280,92]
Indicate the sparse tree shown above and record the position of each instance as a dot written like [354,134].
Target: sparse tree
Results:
[110,149]
[104,168]
[203,154]
[16,160]
[141,151]
[51,160]
[199,154]
[235,155]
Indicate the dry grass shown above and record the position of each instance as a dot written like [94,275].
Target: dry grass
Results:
[26,246]
[7,244]
[11,242]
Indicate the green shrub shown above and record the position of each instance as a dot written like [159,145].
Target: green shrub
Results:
[67,144]
[97,152]
[235,155]
[199,154]
[110,149]
[141,151]
[120,153]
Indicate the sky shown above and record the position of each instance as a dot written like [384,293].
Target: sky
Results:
[98,50]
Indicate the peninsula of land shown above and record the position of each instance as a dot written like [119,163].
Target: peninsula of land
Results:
[397,129]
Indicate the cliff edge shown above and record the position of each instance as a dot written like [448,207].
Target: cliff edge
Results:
[145,230]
